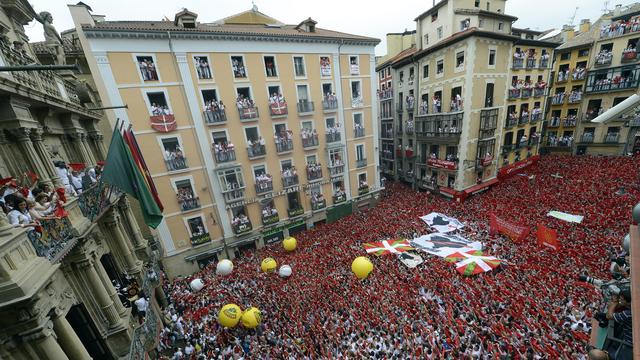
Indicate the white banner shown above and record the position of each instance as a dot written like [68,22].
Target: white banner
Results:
[442,223]
[410,259]
[566,217]
[443,245]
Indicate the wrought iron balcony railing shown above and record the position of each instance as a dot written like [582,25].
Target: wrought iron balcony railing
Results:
[97,199]
[215,116]
[55,239]
[175,164]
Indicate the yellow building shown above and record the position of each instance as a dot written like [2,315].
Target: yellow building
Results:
[471,75]
[251,128]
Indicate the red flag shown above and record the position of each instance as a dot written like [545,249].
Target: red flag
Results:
[515,232]
[132,143]
[547,237]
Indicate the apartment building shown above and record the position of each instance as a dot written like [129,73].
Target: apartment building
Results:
[57,294]
[471,76]
[252,129]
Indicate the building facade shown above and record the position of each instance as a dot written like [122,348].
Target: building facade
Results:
[470,98]
[246,147]
[57,294]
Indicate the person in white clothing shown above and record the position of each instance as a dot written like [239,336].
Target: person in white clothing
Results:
[142,304]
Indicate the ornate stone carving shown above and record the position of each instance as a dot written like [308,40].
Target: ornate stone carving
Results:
[21,134]
[36,134]
[51,37]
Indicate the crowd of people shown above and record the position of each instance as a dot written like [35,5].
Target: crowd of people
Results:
[174,158]
[604,57]
[284,140]
[256,147]
[565,140]
[309,137]
[532,307]
[333,132]
[244,102]
[201,64]
[620,27]
[214,111]
[277,104]
[224,151]
[147,69]
[264,182]
[159,109]
[330,101]
[314,171]
[289,176]
[240,222]
[187,199]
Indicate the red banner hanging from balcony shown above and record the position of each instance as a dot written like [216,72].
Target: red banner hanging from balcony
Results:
[163,123]
[515,232]
[278,108]
[442,164]
[513,169]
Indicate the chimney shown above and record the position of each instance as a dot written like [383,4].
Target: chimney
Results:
[567,32]
[618,10]
[585,26]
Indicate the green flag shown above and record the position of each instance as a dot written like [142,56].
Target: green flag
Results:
[122,172]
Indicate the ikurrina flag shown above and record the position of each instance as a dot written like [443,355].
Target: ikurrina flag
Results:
[473,262]
[388,247]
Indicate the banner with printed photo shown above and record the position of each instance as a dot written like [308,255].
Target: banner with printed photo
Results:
[443,245]
[410,259]
[442,223]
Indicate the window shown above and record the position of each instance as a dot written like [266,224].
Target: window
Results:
[434,16]
[303,93]
[488,6]
[488,98]
[158,104]
[231,179]
[270,66]
[565,56]
[481,23]
[238,67]
[148,69]
[358,125]
[500,25]
[477,3]
[425,71]
[196,227]
[411,73]
[492,57]
[203,69]
[354,65]
[244,93]
[210,98]
[440,67]
[401,76]
[356,93]
[583,52]
[325,66]
[460,59]
[440,33]
[426,39]
[465,24]
[252,135]
[298,66]
[173,155]
[359,152]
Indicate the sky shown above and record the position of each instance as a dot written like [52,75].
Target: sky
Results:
[359,17]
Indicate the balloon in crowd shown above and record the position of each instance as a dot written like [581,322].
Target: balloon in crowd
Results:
[362,267]
[285,271]
[626,242]
[196,285]
[229,315]
[251,318]
[269,265]
[224,267]
[290,243]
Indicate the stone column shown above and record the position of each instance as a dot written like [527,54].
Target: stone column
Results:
[87,149]
[99,292]
[98,144]
[78,146]
[112,220]
[7,155]
[68,148]
[38,145]
[69,340]
[106,282]
[45,344]
[138,240]
[30,153]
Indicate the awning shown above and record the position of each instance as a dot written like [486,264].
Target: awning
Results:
[448,192]
[481,187]
[204,254]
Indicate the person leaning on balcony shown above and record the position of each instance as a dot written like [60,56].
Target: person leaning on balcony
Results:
[19,216]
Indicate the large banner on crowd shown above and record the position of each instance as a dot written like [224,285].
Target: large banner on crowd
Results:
[443,245]
[442,223]
[411,260]
[515,168]
[514,231]
[547,237]
[566,217]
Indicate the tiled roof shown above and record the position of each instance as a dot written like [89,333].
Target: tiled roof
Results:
[70,47]
[401,55]
[223,29]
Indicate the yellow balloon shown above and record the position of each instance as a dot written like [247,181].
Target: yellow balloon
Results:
[229,315]
[361,267]
[269,265]
[251,318]
[290,243]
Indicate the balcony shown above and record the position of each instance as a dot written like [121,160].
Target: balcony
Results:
[360,163]
[538,92]
[314,172]
[163,122]
[188,203]
[558,99]
[410,130]
[578,75]
[213,117]
[385,94]
[248,113]
[613,79]
[225,156]
[310,140]
[531,62]
[278,109]
[176,163]
[329,103]
[511,122]
[591,114]
[386,155]
[514,94]
[284,145]
[575,97]
[354,69]
[554,122]
[362,190]
[629,55]
[570,121]
[518,63]
[333,137]
[563,76]
[409,154]
[318,204]
[235,193]
[358,132]
[305,107]
[410,105]
[199,239]
[339,198]
[56,238]
[423,110]
[295,212]
[536,116]
[336,170]
[524,119]
[544,63]
[635,122]
[526,93]
[241,226]
[256,151]
[289,180]
[612,138]
[604,58]
[268,219]
[97,199]
[617,29]
[587,138]
[357,102]
[263,186]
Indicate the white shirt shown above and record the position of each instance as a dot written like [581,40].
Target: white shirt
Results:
[142,304]
[16,217]
[64,175]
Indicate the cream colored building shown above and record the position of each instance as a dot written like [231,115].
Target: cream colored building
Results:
[454,94]
[217,201]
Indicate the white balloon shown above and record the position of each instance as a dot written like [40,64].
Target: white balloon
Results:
[285,271]
[196,285]
[224,267]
